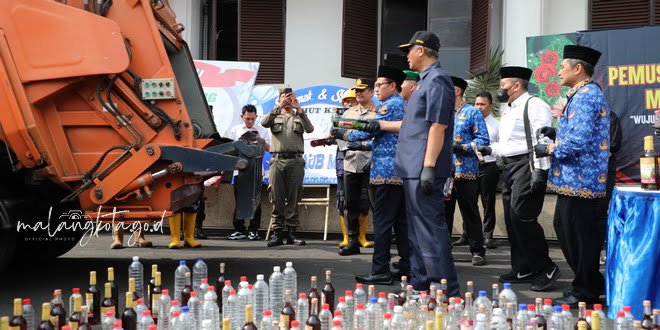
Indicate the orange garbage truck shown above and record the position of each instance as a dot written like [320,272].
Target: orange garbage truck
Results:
[102,113]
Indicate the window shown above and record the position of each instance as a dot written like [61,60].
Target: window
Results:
[623,13]
[359,55]
[261,37]
[480,35]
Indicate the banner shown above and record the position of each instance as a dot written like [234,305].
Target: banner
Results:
[628,72]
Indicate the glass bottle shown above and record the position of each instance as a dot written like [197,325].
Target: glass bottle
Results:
[187,289]
[313,322]
[582,315]
[647,319]
[84,322]
[648,166]
[329,291]
[45,324]
[114,289]
[95,304]
[57,312]
[151,283]
[109,303]
[288,313]
[129,316]
[18,321]
[313,293]
[155,290]
[249,324]
[76,317]
[220,284]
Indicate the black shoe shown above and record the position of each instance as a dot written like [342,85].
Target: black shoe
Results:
[568,300]
[199,234]
[395,265]
[545,279]
[254,236]
[384,279]
[478,260]
[516,277]
[237,235]
[489,243]
[276,240]
[291,238]
[462,241]
[352,248]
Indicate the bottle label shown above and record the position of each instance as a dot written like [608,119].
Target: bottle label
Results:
[73,325]
[55,320]
[89,298]
[647,169]
[284,322]
[309,327]
[345,124]
[155,299]
[106,309]
[14,328]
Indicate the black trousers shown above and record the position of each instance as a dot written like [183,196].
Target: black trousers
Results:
[389,209]
[576,222]
[488,178]
[604,203]
[355,187]
[466,192]
[255,222]
[529,249]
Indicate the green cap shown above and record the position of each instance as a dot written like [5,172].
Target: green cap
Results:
[411,75]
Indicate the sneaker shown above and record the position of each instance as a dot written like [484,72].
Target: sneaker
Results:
[478,260]
[546,278]
[461,241]
[237,235]
[254,236]
[517,277]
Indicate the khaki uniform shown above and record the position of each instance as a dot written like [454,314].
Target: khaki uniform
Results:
[287,167]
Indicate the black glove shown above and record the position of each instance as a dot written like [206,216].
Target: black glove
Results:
[547,131]
[457,147]
[541,150]
[485,150]
[372,127]
[426,179]
[539,178]
[338,133]
[355,146]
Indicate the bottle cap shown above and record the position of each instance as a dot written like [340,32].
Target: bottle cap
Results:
[155,327]
[522,307]
[382,294]
[117,324]
[326,306]
[140,301]
[185,309]
[228,283]
[176,313]
[175,302]
[556,308]
[302,295]
[482,293]
[507,285]
[148,312]
[182,262]
[547,301]
[336,323]
[136,258]
[342,299]
[26,301]
[166,292]
[205,280]
[194,294]
[387,316]
[109,313]
[358,286]
[349,293]
[76,290]
[250,286]
[232,292]
[627,309]
[200,259]
[589,311]
[337,312]
[496,286]
[295,323]
[598,307]
[360,306]
[374,300]
[211,287]
[289,264]
[621,314]
[268,312]
[566,307]
[531,307]
[276,269]
[260,277]
[243,278]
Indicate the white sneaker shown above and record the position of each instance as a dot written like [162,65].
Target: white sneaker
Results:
[238,235]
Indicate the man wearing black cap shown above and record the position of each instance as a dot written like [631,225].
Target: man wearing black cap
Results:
[385,187]
[524,180]
[579,172]
[469,131]
[423,161]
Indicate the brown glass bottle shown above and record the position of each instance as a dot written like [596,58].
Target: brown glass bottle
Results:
[329,291]
[45,324]
[108,302]
[57,311]
[249,324]
[288,313]
[94,315]
[220,284]
[313,321]
[541,322]
[18,321]
[187,289]
[156,291]
[648,166]
[76,314]
[129,316]
[647,319]
[510,315]
[582,315]
[151,283]
[114,289]
[313,293]
[84,322]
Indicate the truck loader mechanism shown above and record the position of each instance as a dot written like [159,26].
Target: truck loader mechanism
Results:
[101,109]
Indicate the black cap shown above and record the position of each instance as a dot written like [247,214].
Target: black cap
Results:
[586,54]
[363,83]
[422,38]
[391,73]
[459,82]
[515,72]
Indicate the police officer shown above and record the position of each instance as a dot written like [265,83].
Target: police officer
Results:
[579,171]
[524,180]
[409,84]
[469,131]
[287,122]
[348,100]
[386,189]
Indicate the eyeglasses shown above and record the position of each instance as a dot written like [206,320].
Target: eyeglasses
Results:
[381,84]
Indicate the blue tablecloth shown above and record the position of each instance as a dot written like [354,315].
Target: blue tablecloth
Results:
[633,250]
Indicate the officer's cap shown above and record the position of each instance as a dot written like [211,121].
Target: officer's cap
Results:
[391,73]
[422,38]
[586,54]
[515,72]
[459,82]
[363,83]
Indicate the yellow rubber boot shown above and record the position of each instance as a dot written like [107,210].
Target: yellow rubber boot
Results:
[175,231]
[344,231]
[362,237]
[117,237]
[189,230]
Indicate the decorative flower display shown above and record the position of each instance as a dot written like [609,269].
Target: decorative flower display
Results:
[544,58]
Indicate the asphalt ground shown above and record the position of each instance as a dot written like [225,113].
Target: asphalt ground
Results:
[38,279]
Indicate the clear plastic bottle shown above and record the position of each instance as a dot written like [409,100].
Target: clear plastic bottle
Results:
[260,298]
[325,316]
[225,292]
[482,323]
[203,288]
[398,322]
[74,293]
[164,304]
[336,325]
[295,325]
[508,296]
[521,317]
[136,271]
[207,325]
[556,319]
[568,316]
[175,306]
[195,306]
[483,300]
[242,295]
[266,319]
[498,321]
[210,309]
[387,321]
[627,310]
[146,321]
[382,301]
[359,294]
[374,314]
[621,322]
[342,309]
[276,286]
[180,279]
[117,326]
[176,323]
[108,320]
[544,162]
[495,296]
[453,320]
[28,313]
[187,320]
[200,271]
[290,278]
[230,310]
[548,309]
[140,307]
[349,316]
[360,317]
[302,307]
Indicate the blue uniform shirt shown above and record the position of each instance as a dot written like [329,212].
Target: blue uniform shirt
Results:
[469,126]
[432,102]
[383,146]
[579,166]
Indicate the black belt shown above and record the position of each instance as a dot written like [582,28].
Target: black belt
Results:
[287,155]
[514,159]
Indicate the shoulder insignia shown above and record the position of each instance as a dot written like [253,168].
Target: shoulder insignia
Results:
[584,90]
[458,138]
[604,145]
[603,112]
[462,116]
[458,161]
[602,178]
[383,110]
[555,171]
[475,129]
[571,114]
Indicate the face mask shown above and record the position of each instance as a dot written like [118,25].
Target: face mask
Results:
[502,95]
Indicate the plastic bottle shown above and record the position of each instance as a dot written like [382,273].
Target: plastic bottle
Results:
[117,326]
[266,319]
[556,319]
[74,293]
[207,325]
[108,320]
[338,316]
[225,292]
[548,310]
[359,294]
[187,321]
[260,298]
[483,300]
[176,323]
[302,307]
[164,304]
[387,321]
[180,279]
[136,271]
[498,321]
[374,314]
[210,309]
[200,271]
[598,308]
[521,317]
[140,307]
[195,307]
[495,296]
[276,286]
[481,322]
[349,316]
[544,162]
[203,288]
[627,310]
[230,310]
[326,317]
[28,313]
[508,296]
[290,278]
[336,325]
[359,318]
[621,321]
[242,295]
[295,325]
[146,321]
[568,316]
[398,322]
[175,306]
